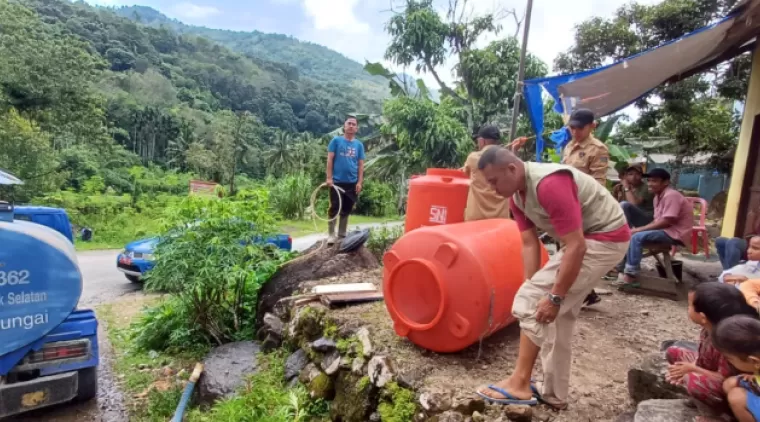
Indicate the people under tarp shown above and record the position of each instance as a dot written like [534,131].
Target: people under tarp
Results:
[610,88]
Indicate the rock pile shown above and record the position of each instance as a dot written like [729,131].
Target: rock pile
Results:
[340,363]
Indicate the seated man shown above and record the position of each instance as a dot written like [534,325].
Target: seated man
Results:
[634,197]
[673,221]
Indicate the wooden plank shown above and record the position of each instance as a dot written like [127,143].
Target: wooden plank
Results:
[344,288]
[305,300]
[351,298]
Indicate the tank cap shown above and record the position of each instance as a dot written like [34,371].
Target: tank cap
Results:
[452,173]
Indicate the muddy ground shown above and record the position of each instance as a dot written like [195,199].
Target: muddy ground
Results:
[610,336]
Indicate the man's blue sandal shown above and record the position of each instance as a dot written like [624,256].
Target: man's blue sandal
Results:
[508,398]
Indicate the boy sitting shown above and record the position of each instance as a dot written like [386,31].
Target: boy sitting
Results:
[738,338]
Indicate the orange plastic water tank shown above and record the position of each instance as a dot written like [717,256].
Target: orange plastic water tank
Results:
[439,197]
[447,286]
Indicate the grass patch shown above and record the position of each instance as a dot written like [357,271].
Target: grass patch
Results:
[151,382]
[298,228]
[266,398]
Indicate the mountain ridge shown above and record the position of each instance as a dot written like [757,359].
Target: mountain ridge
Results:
[313,60]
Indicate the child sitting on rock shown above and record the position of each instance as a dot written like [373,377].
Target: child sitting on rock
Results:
[738,338]
[746,277]
[703,371]
[747,270]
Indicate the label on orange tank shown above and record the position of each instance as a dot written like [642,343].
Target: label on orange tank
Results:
[438,214]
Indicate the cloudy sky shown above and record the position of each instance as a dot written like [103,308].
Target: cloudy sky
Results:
[356,27]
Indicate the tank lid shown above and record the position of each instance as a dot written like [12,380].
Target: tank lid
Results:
[416,294]
[447,173]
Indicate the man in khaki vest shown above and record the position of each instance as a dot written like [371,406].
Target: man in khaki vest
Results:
[482,201]
[587,154]
[568,205]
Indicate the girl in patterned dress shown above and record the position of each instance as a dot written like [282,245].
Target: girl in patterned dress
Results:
[703,371]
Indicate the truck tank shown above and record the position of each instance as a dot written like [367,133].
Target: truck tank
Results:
[40,283]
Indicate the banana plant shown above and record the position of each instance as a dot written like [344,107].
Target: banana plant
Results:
[620,155]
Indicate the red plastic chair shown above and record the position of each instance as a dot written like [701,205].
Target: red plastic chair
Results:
[701,229]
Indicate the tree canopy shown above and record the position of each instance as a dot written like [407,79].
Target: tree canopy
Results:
[697,112]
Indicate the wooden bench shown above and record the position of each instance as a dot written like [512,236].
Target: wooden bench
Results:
[669,287]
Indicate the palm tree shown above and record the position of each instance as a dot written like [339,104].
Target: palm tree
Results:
[279,157]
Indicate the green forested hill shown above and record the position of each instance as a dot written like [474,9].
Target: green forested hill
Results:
[312,60]
[79,82]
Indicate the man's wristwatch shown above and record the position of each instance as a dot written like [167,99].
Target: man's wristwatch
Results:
[627,189]
[555,299]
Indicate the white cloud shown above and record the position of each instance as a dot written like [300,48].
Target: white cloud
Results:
[193,11]
[335,15]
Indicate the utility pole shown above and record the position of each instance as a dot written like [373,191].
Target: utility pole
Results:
[520,72]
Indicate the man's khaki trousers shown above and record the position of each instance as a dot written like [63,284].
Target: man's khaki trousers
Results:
[555,339]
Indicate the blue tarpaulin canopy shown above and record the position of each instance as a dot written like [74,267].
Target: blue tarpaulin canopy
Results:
[611,88]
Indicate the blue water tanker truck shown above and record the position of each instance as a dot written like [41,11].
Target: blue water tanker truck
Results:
[48,347]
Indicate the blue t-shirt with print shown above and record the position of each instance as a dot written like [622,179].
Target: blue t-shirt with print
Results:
[347,156]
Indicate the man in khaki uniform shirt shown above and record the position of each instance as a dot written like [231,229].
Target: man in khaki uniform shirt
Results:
[588,155]
[585,152]
[482,201]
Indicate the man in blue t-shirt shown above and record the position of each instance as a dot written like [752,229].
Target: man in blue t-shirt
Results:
[345,169]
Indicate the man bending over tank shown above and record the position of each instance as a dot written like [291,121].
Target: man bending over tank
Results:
[575,208]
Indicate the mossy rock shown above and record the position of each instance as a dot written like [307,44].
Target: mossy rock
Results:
[322,387]
[397,404]
[306,325]
[353,398]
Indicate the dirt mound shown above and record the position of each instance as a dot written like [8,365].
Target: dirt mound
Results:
[316,263]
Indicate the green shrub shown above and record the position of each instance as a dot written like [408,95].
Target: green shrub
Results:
[167,327]
[382,238]
[115,219]
[212,269]
[376,199]
[291,195]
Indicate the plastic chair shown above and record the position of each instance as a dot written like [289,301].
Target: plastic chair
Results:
[700,229]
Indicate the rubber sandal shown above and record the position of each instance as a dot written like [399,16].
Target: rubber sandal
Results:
[508,398]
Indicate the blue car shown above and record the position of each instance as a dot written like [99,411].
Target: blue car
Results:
[137,257]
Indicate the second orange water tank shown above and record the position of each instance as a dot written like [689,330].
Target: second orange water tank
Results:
[447,286]
[439,197]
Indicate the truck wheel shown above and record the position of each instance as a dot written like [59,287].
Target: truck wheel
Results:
[88,384]
[133,278]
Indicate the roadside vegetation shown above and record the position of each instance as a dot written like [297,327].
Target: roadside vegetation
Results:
[208,281]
